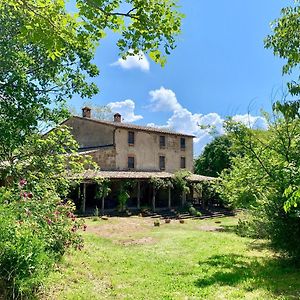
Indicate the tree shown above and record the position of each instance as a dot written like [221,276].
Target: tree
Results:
[46,55]
[285,42]
[215,157]
[266,179]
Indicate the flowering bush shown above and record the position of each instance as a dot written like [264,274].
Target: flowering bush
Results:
[37,224]
[35,231]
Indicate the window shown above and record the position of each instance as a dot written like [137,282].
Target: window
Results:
[130,137]
[162,163]
[182,143]
[130,162]
[182,162]
[162,141]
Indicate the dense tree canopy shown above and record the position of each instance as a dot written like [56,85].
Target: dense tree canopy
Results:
[215,157]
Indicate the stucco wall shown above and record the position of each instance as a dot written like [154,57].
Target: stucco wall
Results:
[89,133]
[146,151]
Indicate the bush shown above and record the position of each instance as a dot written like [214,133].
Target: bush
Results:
[194,212]
[35,232]
[23,259]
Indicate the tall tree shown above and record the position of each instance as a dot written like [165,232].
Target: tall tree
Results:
[285,42]
[265,179]
[46,55]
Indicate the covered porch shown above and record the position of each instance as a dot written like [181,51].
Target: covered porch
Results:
[141,191]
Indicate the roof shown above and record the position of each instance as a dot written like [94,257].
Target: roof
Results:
[134,127]
[199,178]
[90,175]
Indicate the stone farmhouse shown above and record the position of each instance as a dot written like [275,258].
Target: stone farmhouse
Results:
[131,152]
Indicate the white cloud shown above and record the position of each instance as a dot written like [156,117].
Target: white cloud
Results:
[200,125]
[255,122]
[126,109]
[163,100]
[138,61]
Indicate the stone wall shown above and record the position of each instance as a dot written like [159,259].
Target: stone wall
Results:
[105,158]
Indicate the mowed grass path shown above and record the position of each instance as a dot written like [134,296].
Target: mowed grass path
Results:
[129,258]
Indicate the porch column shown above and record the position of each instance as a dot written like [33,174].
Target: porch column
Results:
[102,205]
[138,194]
[169,198]
[192,192]
[183,198]
[153,199]
[84,197]
[79,193]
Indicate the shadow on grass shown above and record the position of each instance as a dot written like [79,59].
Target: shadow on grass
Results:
[229,228]
[277,276]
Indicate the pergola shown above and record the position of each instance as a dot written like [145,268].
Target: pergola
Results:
[92,176]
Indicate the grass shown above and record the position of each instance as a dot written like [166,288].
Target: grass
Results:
[129,258]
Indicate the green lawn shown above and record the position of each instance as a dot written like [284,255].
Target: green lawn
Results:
[129,258]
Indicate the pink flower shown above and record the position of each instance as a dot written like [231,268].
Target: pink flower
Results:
[49,221]
[22,182]
[24,195]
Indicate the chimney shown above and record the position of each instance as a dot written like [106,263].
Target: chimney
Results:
[86,112]
[117,118]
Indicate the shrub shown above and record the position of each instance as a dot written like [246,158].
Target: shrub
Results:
[194,212]
[35,231]
[23,259]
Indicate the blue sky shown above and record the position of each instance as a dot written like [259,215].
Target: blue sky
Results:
[219,68]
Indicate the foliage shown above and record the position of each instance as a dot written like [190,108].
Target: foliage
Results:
[159,183]
[48,160]
[215,157]
[103,188]
[124,195]
[46,56]
[242,185]
[180,182]
[266,179]
[194,212]
[35,231]
[285,42]
[46,52]
[34,209]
